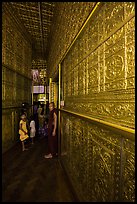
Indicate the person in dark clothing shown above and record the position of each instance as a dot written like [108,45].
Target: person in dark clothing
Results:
[47,111]
[42,111]
[36,119]
[52,132]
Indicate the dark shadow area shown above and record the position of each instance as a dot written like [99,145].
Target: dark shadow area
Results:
[29,177]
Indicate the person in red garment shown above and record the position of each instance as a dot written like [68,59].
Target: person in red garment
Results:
[52,132]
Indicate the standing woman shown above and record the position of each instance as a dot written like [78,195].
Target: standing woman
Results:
[23,131]
[32,129]
[41,115]
[52,132]
[36,119]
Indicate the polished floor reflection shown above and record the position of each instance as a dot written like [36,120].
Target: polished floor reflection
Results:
[29,177]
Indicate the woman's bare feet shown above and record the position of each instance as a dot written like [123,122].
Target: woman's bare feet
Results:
[48,156]
[24,149]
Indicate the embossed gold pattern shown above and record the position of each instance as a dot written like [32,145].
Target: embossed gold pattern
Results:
[104,72]
[68,18]
[98,80]
[16,76]
[101,162]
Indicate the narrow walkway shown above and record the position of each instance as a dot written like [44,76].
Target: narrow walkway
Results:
[29,177]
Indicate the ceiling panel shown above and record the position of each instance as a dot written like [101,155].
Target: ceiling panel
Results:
[37,18]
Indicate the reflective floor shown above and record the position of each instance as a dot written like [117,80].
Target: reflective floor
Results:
[29,177]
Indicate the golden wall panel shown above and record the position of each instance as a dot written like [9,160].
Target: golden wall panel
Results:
[69,16]
[105,69]
[16,88]
[16,72]
[98,80]
[114,14]
[114,111]
[53,90]
[75,81]
[128,171]
[6,132]
[15,54]
[100,161]
[6,120]
[129,8]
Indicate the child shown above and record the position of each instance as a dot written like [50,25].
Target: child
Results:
[23,131]
[45,132]
[32,128]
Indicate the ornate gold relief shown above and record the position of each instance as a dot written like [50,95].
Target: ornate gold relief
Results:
[130,60]
[114,14]
[70,17]
[15,54]
[129,8]
[16,61]
[128,171]
[100,162]
[105,72]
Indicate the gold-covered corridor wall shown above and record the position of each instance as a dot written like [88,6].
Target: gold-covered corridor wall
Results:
[16,74]
[99,160]
[67,21]
[98,82]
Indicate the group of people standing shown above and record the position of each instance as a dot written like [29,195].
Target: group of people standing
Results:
[40,123]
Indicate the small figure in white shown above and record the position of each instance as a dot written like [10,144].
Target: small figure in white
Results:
[32,129]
